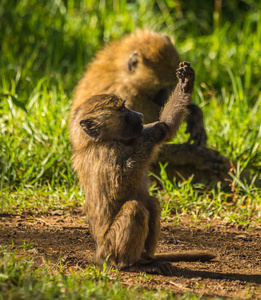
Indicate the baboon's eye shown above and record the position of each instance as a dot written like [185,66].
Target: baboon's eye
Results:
[121,107]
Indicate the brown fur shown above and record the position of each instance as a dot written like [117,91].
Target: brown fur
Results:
[112,153]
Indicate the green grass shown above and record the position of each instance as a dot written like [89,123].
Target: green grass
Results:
[240,206]
[20,279]
[44,47]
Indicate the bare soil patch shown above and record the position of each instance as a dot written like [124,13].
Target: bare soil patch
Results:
[235,273]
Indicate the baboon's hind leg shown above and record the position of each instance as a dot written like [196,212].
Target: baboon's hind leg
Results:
[125,240]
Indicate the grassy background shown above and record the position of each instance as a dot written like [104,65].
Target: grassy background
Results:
[44,48]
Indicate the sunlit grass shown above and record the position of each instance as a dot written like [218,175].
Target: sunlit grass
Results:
[40,200]
[239,206]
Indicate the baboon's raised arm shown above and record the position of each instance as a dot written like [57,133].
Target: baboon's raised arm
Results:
[179,100]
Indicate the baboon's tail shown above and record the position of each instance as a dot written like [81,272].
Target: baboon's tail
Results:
[186,256]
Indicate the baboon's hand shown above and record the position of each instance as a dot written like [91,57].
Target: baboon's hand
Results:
[155,133]
[195,126]
[186,76]
[198,135]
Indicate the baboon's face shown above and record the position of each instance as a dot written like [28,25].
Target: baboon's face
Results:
[111,120]
[152,68]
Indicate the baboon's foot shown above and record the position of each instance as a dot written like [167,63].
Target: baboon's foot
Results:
[152,266]
[186,76]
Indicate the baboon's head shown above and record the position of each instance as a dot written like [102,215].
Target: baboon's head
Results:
[152,64]
[105,118]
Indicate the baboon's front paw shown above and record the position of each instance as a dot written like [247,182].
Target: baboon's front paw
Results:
[186,76]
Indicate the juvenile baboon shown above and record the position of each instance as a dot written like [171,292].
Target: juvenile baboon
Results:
[142,68]
[112,153]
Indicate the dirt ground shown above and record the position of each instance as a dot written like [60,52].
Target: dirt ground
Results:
[235,273]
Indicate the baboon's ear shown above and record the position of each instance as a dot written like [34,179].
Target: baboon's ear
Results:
[133,61]
[90,127]
[166,37]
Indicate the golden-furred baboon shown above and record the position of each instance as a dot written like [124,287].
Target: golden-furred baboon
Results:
[112,154]
[142,68]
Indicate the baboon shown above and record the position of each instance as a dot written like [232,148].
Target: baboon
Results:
[142,68]
[112,153]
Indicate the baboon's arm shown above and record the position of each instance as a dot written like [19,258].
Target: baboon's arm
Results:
[174,111]
[176,107]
